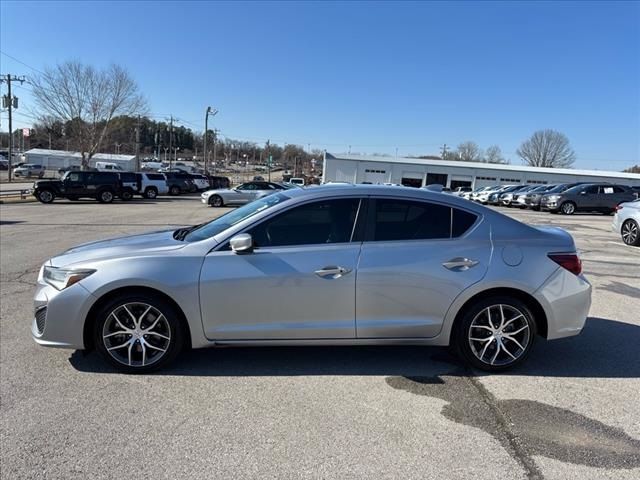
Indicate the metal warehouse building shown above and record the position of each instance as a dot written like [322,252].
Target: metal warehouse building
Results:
[417,172]
[56,159]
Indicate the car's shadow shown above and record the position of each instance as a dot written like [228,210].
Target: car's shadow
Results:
[605,349]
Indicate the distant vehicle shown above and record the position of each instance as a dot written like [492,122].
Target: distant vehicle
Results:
[216,182]
[180,182]
[150,185]
[626,222]
[29,170]
[297,181]
[483,196]
[245,193]
[108,167]
[103,186]
[532,199]
[151,165]
[458,191]
[258,178]
[518,199]
[507,197]
[201,181]
[4,164]
[177,167]
[590,197]
[70,168]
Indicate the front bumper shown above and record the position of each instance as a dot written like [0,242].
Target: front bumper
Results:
[65,311]
[566,300]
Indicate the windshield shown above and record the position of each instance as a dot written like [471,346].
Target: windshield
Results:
[220,224]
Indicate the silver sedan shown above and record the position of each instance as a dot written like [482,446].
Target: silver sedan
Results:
[340,265]
[240,195]
[626,222]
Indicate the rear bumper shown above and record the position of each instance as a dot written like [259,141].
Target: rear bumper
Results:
[566,300]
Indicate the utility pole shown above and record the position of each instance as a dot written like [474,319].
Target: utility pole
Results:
[444,152]
[138,145]
[212,112]
[10,103]
[215,149]
[170,140]
[268,160]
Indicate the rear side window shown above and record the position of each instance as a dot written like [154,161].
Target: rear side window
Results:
[412,220]
[409,220]
[155,176]
[461,221]
[128,177]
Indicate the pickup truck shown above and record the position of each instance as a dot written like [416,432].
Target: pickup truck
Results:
[103,186]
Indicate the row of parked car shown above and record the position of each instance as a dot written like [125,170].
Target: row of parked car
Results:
[106,186]
[565,198]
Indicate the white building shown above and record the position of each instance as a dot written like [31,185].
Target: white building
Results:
[417,172]
[57,159]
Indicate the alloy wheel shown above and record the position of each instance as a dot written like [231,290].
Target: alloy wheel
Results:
[45,196]
[630,232]
[499,335]
[568,208]
[136,334]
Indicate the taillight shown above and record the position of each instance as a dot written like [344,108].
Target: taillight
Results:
[618,208]
[568,261]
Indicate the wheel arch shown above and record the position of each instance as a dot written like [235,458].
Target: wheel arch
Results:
[540,316]
[87,333]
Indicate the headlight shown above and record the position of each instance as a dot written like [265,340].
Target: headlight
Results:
[553,197]
[61,278]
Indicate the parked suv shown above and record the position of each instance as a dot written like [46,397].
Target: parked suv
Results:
[590,197]
[150,185]
[219,182]
[103,186]
[180,182]
[29,170]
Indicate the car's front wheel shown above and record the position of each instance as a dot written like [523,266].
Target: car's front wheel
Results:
[138,333]
[495,333]
[46,196]
[105,196]
[216,201]
[151,193]
[630,233]
[568,208]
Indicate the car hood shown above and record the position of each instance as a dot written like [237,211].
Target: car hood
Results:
[145,244]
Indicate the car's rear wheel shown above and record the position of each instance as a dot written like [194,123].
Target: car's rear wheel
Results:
[630,233]
[105,196]
[568,208]
[138,333]
[216,201]
[126,195]
[174,190]
[46,196]
[151,193]
[495,333]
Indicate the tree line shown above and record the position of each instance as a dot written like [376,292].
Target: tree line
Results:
[87,110]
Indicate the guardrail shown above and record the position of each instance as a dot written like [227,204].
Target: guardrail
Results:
[22,193]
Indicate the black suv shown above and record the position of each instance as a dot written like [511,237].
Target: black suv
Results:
[103,186]
[180,182]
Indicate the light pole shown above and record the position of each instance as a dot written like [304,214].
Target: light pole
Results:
[175,153]
[118,145]
[165,154]
[212,112]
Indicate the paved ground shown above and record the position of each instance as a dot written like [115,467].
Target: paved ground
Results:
[571,412]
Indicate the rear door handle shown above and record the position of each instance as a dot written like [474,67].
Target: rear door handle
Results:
[460,264]
[332,272]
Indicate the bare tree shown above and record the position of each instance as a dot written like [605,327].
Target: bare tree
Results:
[86,100]
[469,152]
[494,155]
[547,148]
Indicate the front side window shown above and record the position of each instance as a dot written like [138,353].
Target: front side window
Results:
[322,222]
[73,177]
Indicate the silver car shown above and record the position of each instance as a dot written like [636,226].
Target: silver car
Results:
[626,222]
[240,195]
[340,265]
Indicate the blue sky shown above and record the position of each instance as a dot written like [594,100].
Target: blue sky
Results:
[376,76]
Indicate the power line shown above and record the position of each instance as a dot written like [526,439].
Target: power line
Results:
[21,62]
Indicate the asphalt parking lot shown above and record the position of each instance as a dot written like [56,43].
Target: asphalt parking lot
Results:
[320,412]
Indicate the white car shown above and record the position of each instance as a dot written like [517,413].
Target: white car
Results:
[150,184]
[29,170]
[201,181]
[626,222]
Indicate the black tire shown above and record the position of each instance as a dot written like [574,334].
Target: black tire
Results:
[46,196]
[630,233]
[193,189]
[173,329]
[216,201]
[126,195]
[568,208]
[174,190]
[151,193]
[461,336]
[105,196]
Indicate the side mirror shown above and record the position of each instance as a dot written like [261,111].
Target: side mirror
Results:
[242,243]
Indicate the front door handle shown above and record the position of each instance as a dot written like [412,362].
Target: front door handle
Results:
[332,272]
[460,264]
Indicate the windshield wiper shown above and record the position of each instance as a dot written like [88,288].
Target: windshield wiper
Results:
[181,233]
